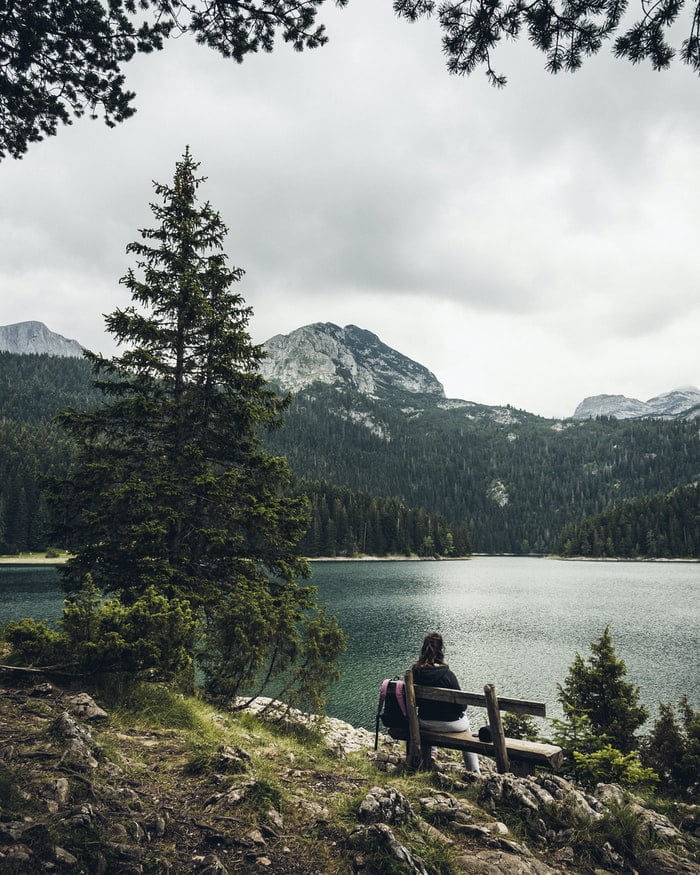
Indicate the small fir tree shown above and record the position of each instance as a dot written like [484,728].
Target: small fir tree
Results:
[172,492]
[520,726]
[672,748]
[596,691]
[153,636]
[611,765]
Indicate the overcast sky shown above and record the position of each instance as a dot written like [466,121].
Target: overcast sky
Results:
[531,246]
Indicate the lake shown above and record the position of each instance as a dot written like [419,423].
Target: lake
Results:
[511,621]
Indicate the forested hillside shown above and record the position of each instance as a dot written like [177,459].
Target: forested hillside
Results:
[513,478]
[34,388]
[27,451]
[654,527]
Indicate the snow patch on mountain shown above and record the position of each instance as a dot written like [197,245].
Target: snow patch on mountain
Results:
[498,493]
[504,416]
[413,412]
[455,404]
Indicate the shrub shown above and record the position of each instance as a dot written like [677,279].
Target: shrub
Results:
[33,643]
[260,634]
[611,765]
[520,726]
[154,634]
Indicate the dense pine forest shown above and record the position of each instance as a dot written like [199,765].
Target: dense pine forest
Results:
[34,388]
[347,523]
[653,527]
[28,451]
[510,479]
[514,479]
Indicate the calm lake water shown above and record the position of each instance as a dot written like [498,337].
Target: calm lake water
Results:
[514,622]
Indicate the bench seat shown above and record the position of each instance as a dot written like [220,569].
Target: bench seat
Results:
[518,750]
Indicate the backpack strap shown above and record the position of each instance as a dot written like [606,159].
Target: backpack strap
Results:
[382,695]
[401,697]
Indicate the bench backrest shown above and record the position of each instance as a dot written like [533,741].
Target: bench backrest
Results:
[462,697]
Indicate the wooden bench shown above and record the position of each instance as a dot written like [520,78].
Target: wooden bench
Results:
[527,754]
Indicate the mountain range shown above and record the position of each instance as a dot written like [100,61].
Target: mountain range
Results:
[357,359]
[515,478]
[368,419]
[682,402]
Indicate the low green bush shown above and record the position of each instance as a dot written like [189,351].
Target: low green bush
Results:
[611,765]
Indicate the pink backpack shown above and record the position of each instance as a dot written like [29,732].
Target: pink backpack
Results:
[391,709]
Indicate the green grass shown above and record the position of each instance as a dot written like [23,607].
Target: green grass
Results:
[155,706]
[266,794]
[167,741]
[622,827]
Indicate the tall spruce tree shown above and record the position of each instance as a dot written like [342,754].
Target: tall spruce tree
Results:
[172,491]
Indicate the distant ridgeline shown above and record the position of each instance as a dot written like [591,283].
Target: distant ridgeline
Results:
[34,388]
[655,527]
[513,480]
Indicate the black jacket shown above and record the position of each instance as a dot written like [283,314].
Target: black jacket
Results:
[437,676]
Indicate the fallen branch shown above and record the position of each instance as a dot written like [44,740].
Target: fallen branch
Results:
[46,669]
[21,668]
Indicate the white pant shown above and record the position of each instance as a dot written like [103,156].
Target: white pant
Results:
[471,761]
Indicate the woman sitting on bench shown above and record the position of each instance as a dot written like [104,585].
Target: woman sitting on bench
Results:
[431,670]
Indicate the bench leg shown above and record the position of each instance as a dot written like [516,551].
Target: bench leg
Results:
[426,756]
[413,757]
[497,736]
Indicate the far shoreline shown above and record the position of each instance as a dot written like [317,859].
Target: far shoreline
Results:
[32,560]
[27,561]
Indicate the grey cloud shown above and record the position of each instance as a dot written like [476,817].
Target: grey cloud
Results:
[364,172]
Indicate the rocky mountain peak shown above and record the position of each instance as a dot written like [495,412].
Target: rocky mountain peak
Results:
[26,338]
[676,401]
[669,404]
[348,356]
